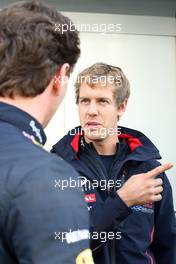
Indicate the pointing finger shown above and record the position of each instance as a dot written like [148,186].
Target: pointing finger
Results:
[158,170]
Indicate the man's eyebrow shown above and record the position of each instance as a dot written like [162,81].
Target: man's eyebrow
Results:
[102,97]
[97,98]
[83,97]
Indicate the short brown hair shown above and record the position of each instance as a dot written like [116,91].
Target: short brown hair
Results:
[31,50]
[97,70]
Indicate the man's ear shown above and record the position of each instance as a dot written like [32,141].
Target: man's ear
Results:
[122,108]
[61,78]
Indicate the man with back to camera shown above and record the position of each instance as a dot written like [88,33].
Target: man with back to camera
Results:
[126,160]
[39,222]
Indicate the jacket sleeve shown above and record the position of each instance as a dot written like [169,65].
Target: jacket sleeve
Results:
[104,214]
[45,223]
[102,217]
[164,242]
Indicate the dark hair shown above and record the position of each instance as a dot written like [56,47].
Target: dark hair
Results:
[31,49]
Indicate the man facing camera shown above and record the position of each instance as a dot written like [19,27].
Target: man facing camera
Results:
[40,221]
[128,194]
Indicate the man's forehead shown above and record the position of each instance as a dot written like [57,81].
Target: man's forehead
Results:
[103,90]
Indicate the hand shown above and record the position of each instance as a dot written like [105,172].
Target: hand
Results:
[143,188]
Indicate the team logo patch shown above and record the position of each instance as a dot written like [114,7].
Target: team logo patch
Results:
[85,257]
[90,198]
[146,208]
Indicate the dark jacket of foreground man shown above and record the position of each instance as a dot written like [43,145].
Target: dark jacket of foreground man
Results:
[39,222]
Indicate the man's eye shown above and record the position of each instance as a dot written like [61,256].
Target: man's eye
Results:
[103,101]
[84,101]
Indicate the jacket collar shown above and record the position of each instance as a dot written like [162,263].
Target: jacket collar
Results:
[140,147]
[29,126]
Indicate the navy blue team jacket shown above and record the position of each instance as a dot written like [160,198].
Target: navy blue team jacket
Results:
[38,220]
[136,235]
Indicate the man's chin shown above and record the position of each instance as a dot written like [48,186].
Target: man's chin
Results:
[94,137]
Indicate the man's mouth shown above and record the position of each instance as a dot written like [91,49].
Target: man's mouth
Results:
[92,125]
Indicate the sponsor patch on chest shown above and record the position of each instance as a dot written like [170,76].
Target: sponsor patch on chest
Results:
[90,198]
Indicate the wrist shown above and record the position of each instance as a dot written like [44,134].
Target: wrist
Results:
[124,197]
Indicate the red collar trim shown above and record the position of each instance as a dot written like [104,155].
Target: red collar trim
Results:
[75,142]
[133,142]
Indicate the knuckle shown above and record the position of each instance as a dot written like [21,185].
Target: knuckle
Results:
[161,189]
[159,197]
[151,198]
[158,170]
[159,181]
[150,184]
[147,174]
[152,191]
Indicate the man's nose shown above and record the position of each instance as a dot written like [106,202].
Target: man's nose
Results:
[92,110]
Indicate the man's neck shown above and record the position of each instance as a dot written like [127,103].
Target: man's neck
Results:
[107,146]
[28,105]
